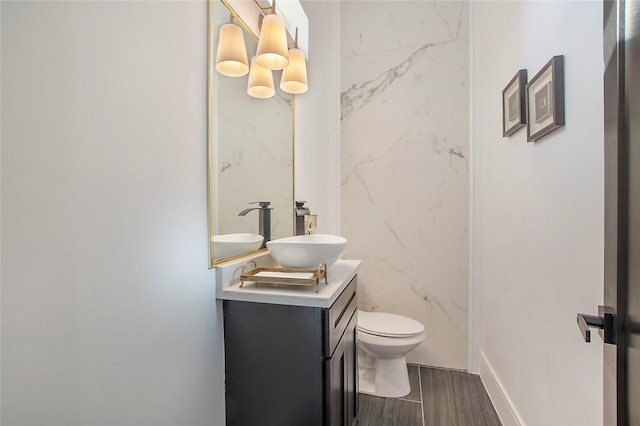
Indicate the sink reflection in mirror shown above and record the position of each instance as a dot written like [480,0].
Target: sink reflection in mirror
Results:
[307,251]
[250,143]
[232,245]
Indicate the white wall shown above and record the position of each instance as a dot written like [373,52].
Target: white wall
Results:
[317,132]
[538,214]
[405,165]
[108,309]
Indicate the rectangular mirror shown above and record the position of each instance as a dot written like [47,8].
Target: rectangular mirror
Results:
[250,154]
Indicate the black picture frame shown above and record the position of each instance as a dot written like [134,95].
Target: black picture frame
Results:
[513,104]
[545,100]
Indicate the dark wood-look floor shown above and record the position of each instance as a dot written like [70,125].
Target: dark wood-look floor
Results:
[438,398]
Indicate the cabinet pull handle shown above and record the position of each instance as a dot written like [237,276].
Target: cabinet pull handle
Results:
[346,307]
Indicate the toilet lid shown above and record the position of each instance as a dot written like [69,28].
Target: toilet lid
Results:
[389,325]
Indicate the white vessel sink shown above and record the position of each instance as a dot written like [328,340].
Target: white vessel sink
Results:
[307,251]
[231,245]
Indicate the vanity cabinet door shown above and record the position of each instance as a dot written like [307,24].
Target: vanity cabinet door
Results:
[352,370]
[273,364]
[341,379]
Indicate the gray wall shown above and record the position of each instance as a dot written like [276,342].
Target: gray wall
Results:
[108,308]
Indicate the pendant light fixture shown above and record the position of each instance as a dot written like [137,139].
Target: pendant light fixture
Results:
[231,59]
[294,76]
[272,52]
[260,81]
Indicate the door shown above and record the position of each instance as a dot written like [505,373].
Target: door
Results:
[619,318]
[632,135]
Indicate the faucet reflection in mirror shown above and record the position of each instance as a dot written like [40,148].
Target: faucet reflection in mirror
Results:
[264,220]
[272,53]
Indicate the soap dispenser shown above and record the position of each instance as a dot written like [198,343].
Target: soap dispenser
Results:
[310,224]
[301,212]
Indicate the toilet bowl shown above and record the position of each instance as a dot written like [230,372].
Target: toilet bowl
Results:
[383,341]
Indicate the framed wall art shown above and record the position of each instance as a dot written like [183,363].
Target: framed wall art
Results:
[545,100]
[513,104]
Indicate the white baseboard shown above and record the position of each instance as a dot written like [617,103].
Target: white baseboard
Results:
[501,401]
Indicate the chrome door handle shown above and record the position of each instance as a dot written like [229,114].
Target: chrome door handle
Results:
[606,321]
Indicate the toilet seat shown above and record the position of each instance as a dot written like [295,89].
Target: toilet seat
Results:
[388,325]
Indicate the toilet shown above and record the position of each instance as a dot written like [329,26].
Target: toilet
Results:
[383,341]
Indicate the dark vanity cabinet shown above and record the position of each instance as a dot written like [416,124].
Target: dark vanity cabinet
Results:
[291,365]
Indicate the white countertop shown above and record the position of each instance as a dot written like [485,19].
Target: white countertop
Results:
[339,275]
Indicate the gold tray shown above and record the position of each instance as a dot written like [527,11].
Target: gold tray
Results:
[286,276]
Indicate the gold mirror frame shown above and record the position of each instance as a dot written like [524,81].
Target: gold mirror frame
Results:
[211,137]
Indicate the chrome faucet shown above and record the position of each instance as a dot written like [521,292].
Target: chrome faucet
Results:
[264,219]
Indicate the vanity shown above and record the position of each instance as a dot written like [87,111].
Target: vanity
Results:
[290,353]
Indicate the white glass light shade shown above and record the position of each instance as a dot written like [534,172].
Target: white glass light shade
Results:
[294,76]
[260,81]
[272,52]
[231,59]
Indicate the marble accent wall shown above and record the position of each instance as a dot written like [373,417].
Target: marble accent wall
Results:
[405,165]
